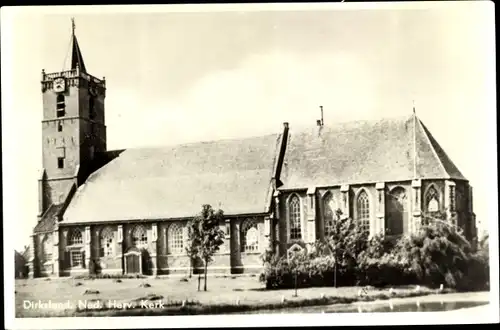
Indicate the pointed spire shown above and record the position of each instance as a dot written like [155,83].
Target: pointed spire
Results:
[76,54]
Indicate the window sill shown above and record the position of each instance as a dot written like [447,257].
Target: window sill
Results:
[295,240]
[74,247]
[176,255]
[252,253]
[110,257]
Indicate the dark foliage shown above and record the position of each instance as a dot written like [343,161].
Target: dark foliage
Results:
[438,254]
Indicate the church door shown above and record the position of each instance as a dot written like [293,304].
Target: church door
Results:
[133,262]
[397,212]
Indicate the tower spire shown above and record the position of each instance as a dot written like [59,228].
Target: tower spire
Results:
[76,54]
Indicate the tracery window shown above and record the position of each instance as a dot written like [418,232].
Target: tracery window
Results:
[139,237]
[249,236]
[175,239]
[432,200]
[107,239]
[75,237]
[294,218]
[329,213]
[363,210]
[75,241]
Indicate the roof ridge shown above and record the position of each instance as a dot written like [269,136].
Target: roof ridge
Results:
[432,147]
[443,159]
[172,146]
[353,122]
[47,210]
[276,157]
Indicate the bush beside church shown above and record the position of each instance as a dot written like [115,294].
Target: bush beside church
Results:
[437,254]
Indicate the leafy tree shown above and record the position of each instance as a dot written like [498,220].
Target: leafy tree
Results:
[346,241]
[193,243]
[205,236]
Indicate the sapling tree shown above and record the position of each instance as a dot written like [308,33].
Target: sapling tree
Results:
[192,244]
[205,236]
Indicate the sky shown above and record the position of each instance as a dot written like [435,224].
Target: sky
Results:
[184,74]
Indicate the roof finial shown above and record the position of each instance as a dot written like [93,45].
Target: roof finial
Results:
[73,25]
[321,108]
[414,142]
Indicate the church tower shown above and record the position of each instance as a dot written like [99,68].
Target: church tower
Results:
[73,128]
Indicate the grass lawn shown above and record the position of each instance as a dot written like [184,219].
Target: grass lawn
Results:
[224,295]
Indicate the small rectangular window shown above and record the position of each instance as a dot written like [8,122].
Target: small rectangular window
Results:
[76,259]
[60,162]
[59,127]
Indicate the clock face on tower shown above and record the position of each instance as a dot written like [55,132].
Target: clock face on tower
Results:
[59,85]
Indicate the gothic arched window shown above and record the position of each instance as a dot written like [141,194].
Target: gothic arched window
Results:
[47,247]
[432,200]
[61,105]
[294,218]
[363,210]
[139,237]
[75,237]
[107,239]
[329,213]
[249,236]
[175,239]
[75,240]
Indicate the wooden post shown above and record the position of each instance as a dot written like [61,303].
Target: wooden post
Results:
[296,281]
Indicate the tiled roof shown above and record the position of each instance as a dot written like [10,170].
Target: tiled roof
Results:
[235,175]
[174,182]
[49,219]
[363,152]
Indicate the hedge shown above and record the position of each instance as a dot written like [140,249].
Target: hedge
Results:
[437,254]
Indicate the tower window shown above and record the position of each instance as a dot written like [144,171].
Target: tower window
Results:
[92,113]
[61,106]
[59,126]
[60,162]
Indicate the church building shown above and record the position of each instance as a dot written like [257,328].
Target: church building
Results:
[126,211]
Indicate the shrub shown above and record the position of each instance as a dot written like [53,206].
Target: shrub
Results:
[318,271]
[437,254]
[383,271]
[440,254]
